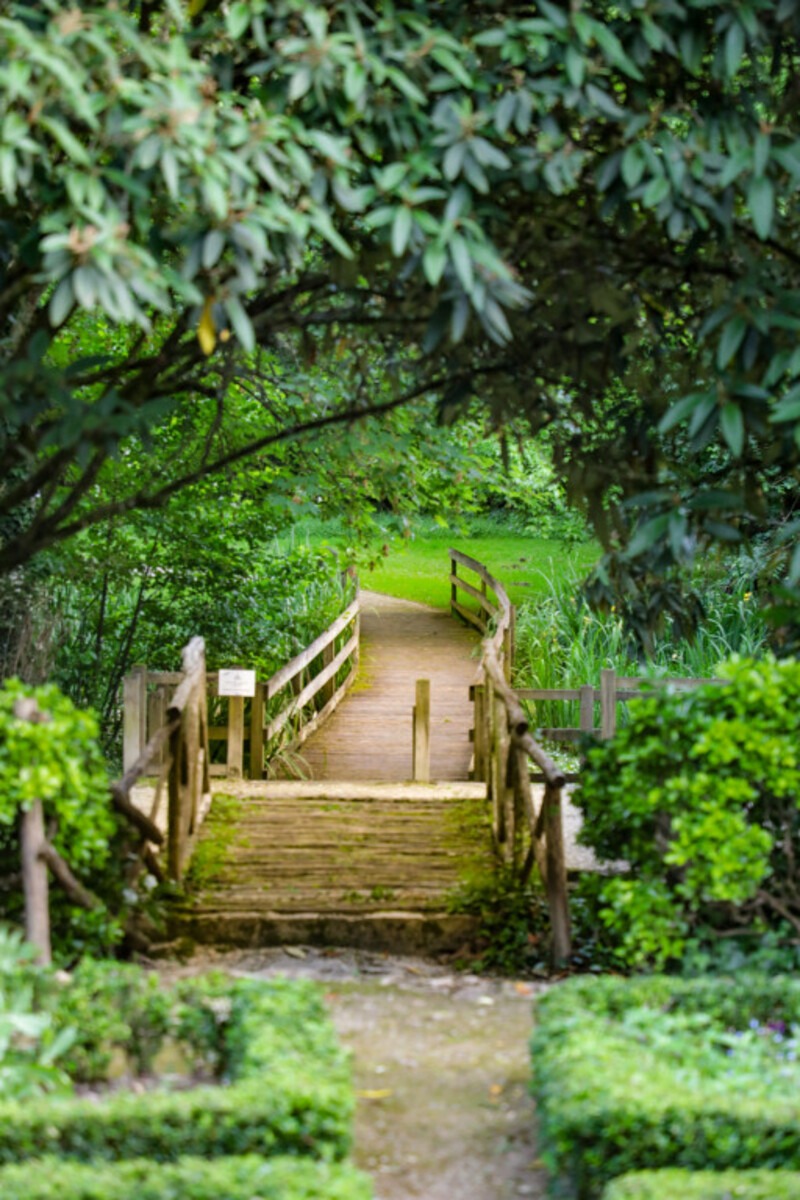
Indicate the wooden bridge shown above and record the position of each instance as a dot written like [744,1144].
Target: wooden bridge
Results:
[400,763]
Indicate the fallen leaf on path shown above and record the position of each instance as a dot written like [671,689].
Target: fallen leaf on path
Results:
[524,989]
[495,1089]
[294,952]
[375,1093]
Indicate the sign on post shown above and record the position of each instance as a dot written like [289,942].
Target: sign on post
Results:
[235,681]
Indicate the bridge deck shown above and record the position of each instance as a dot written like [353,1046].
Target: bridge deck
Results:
[369,735]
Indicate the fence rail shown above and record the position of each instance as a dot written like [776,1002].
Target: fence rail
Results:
[525,833]
[270,722]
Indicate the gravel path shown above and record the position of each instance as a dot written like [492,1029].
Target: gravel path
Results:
[441,1068]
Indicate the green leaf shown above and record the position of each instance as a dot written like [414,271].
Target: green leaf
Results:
[732,426]
[761,202]
[761,149]
[238,20]
[730,340]
[240,323]
[657,190]
[788,408]
[462,261]
[734,48]
[66,140]
[401,230]
[679,411]
[576,66]
[433,263]
[633,165]
[61,302]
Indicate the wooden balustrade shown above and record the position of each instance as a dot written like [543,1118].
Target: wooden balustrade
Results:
[525,834]
[283,712]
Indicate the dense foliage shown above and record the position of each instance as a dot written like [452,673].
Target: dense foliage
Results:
[656,1072]
[698,793]
[239,1178]
[704,1185]
[288,1080]
[581,216]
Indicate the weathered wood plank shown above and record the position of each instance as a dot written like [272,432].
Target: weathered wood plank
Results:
[288,672]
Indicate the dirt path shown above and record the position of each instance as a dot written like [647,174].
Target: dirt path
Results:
[441,1067]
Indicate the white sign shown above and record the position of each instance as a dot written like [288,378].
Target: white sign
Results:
[236,682]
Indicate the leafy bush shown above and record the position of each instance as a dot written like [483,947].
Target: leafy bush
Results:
[699,794]
[705,1185]
[658,1072]
[290,1090]
[242,1178]
[29,1052]
[59,762]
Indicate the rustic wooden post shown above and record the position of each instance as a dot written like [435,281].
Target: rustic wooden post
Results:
[134,711]
[608,702]
[499,769]
[174,797]
[556,882]
[587,708]
[35,883]
[421,740]
[257,733]
[157,716]
[236,736]
[478,694]
[508,644]
[327,691]
[453,586]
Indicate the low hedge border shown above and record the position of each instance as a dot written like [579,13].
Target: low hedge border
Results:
[243,1178]
[704,1185]
[291,1092]
[608,1108]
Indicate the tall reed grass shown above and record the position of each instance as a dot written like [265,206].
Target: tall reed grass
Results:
[561,643]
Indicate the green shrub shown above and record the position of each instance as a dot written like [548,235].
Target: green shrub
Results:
[242,1178]
[658,1072]
[290,1089]
[29,1048]
[699,794]
[705,1185]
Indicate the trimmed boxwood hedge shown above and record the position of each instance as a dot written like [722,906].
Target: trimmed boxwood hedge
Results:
[190,1179]
[703,1185]
[290,1090]
[608,1105]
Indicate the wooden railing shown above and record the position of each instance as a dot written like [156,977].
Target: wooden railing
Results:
[178,750]
[525,833]
[284,710]
[614,689]
[494,618]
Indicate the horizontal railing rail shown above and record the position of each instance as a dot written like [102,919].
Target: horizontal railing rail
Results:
[525,832]
[282,713]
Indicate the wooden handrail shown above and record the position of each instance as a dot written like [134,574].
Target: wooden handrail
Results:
[290,670]
[504,748]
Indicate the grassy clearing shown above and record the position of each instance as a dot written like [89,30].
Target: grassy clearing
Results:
[416,568]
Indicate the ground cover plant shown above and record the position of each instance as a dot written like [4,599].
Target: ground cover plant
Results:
[659,1072]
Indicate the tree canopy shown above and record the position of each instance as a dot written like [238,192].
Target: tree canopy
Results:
[585,216]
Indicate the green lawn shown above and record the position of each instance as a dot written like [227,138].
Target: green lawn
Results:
[418,569]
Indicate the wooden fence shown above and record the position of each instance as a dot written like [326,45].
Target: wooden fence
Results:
[525,833]
[283,712]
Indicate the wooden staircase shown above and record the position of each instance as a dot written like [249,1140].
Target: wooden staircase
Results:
[372,865]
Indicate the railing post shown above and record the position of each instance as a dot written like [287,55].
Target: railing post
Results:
[453,586]
[257,733]
[608,703]
[157,716]
[174,797]
[557,896]
[478,691]
[35,882]
[236,736]
[587,708]
[134,715]
[421,739]
[508,644]
[328,689]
